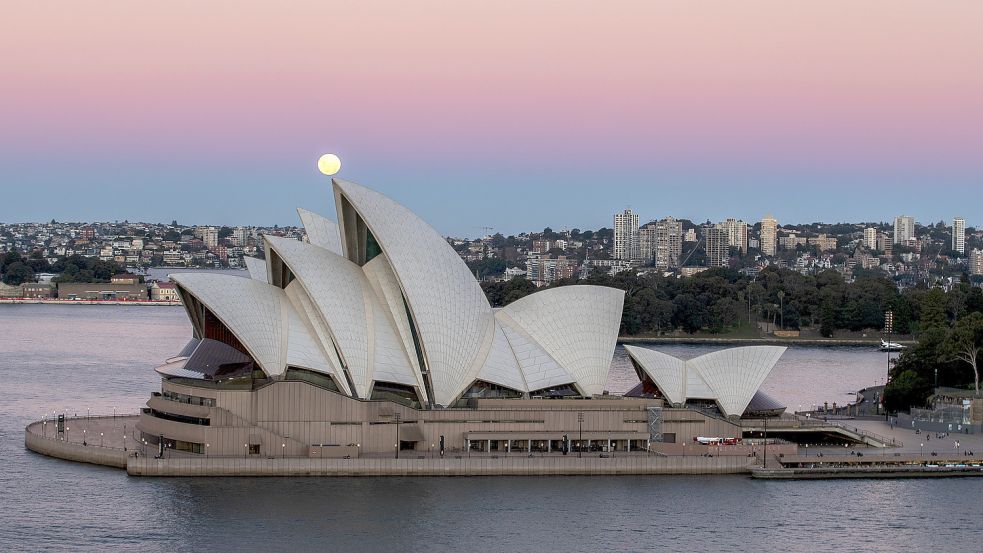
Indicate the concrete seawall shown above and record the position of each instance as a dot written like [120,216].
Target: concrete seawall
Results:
[484,466]
[71,451]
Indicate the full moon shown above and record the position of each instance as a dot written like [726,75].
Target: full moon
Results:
[329,164]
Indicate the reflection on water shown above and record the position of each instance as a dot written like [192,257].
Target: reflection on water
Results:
[68,358]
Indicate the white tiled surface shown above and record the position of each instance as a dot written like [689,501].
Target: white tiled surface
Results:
[321,231]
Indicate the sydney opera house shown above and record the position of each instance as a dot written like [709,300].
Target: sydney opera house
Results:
[372,337]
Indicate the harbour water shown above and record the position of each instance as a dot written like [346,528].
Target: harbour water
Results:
[73,359]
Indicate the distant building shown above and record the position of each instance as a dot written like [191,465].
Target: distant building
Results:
[690,235]
[208,235]
[668,242]
[626,235]
[904,229]
[102,291]
[690,271]
[37,290]
[736,231]
[163,291]
[976,262]
[646,242]
[959,235]
[717,248]
[512,272]
[544,269]
[540,246]
[870,238]
[769,235]
[824,243]
[125,278]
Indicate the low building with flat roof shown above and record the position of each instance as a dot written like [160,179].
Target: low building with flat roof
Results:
[102,291]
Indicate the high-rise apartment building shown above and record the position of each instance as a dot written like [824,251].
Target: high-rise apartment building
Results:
[976,262]
[870,238]
[668,242]
[626,235]
[716,246]
[736,233]
[646,241]
[959,235]
[904,229]
[769,235]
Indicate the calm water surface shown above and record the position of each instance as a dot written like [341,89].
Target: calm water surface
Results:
[72,358]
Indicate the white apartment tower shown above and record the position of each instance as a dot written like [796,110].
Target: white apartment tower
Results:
[904,229]
[626,235]
[736,233]
[959,235]
[870,238]
[769,235]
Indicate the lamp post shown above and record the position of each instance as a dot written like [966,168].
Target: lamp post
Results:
[101,435]
[206,450]
[83,437]
[44,429]
[283,450]
[245,450]
[580,444]
[396,447]
[765,454]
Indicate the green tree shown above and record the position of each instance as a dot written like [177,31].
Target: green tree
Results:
[18,273]
[964,343]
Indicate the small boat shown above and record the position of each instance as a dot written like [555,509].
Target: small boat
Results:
[891,346]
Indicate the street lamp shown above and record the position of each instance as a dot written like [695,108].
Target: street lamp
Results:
[580,444]
[245,450]
[283,450]
[922,450]
[206,450]
[83,437]
[101,439]
[398,418]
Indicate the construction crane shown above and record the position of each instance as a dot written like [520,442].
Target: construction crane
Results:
[487,230]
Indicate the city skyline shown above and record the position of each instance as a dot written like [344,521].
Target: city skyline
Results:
[790,109]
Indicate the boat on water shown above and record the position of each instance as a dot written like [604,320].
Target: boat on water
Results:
[891,346]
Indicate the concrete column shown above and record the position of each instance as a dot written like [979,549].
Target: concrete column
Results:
[467,444]
[549,446]
[587,445]
[489,446]
[529,446]
[508,446]
[629,445]
[609,445]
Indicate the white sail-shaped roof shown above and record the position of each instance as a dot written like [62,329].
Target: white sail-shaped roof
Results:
[314,320]
[255,312]
[539,370]
[256,268]
[735,374]
[452,316]
[666,371]
[358,325]
[731,377]
[321,231]
[577,325]
[501,367]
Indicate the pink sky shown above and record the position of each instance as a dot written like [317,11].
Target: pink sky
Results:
[890,85]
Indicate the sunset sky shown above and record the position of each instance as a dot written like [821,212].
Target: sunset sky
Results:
[513,115]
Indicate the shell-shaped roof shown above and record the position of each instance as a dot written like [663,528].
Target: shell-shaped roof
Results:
[255,312]
[338,289]
[501,366]
[735,374]
[666,371]
[450,311]
[321,231]
[539,369]
[256,268]
[577,325]
[731,376]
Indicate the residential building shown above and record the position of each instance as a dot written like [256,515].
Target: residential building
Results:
[647,241]
[904,229]
[976,262]
[208,235]
[736,233]
[626,235]
[870,238]
[716,246]
[668,242]
[769,235]
[544,269]
[959,235]
[164,291]
[824,243]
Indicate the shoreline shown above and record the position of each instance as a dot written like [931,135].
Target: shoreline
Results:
[52,301]
[772,341]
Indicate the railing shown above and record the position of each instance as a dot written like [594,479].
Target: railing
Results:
[786,423]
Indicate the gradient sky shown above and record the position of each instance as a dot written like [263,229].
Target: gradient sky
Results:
[514,115]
